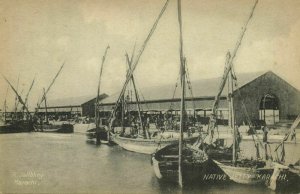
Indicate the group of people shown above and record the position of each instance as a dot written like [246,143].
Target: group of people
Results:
[136,122]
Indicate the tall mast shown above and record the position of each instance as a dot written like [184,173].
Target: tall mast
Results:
[232,118]
[229,103]
[146,135]
[17,94]
[5,111]
[26,99]
[136,61]
[5,105]
[16,99]
[98,90]
[228,65]
[182,107]
[46,110]
[51,84]
[123,113]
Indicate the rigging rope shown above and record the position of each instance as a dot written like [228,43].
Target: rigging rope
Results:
[44,95]
[135,63]
[246,111]
[143,97]
[4,106]
[19,97]
[174,92]
[190,85]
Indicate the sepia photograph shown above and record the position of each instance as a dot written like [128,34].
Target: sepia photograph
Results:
[139,96]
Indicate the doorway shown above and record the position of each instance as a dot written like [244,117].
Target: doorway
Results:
[269,109]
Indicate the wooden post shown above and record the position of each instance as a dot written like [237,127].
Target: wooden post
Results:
[195,120]
[257,151]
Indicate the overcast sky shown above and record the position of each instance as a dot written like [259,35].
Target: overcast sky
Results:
[38,36]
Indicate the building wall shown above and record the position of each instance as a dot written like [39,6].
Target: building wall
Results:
[247,98]
[88,108]
[252,93]
[63,111]
[163,105]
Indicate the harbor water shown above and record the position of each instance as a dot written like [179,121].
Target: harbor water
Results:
[66,163]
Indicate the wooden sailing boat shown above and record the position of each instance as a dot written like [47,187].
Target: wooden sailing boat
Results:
[145,144]
[292,171]
[161,159]
[99,132]
[259,171]
[142,142]
[241,170]
[184,162]
[45,126]
[17,125]
[3,121]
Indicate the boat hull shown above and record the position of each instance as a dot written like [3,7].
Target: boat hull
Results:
[17,127]
[246,175]
[52,128]
[103,136]
[144,146]
[190,172]
[196,166]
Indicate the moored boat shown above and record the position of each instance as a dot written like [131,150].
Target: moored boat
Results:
[165,163]
[102,134]
[99,133]
[246,171]
[197,165]
[207,144]
[17,127]
[145,146]
[54,128]
[17,124]
[50,126]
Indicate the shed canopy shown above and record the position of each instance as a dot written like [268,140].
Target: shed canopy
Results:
[200,88]
[72,101]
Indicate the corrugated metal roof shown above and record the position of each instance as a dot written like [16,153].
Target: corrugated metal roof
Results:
[72,101]
[200,88]
[198,104]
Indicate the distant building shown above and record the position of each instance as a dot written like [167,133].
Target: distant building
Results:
[68,106]
[88,108]
[261,96]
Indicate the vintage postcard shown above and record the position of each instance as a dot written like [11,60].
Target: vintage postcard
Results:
[139,96]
